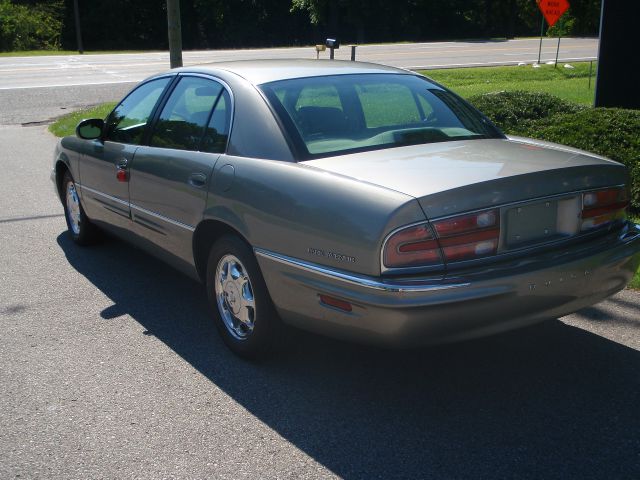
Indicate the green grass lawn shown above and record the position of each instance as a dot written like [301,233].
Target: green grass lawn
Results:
[66,125]
[568,84]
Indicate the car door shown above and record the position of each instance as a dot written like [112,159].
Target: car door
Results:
[103,169]
[170,176]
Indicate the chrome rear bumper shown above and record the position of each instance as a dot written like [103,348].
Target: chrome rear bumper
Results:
[404,312]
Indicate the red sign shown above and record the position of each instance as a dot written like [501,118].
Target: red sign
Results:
[552,9]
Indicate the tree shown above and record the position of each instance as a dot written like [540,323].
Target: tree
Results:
[30,25]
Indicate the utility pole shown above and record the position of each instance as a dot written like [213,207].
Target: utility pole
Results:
[175,33]
[76,14]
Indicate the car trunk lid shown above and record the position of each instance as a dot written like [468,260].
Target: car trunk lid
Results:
[453,177]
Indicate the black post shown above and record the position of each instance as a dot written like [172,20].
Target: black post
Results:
[353,53]
[555,65]
[615,85]
[331,53]
[541,32]
[76,14]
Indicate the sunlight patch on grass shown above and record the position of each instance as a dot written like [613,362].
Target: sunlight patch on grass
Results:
[568,84]
[66,125]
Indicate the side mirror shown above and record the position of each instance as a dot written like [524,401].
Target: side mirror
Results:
[90,129]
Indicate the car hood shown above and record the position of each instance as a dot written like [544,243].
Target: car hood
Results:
[461,175]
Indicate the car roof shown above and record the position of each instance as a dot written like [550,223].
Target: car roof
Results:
[258,72]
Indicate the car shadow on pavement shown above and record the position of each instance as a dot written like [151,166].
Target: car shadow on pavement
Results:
[550,401]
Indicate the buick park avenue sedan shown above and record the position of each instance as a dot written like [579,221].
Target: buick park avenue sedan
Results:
[351,199]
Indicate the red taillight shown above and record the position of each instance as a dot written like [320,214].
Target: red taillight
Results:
[464,237]
[466,223]
[471,236]
[603,207]
[411,247]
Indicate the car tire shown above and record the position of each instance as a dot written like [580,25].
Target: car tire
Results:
[238,297]
[81,230]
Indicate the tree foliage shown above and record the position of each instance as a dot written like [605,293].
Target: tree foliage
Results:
[142,24]
[30,26]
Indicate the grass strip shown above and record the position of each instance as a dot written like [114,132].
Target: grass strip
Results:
[570,84]
[66,125]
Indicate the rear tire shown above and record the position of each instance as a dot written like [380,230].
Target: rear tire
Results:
[81,230]
[242,308]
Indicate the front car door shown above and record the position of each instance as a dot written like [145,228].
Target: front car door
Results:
[103,169]
[170,176]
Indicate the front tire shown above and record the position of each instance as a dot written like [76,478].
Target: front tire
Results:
[239,300]
[81,230]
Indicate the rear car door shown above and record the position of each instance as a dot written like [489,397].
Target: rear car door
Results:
[103,170]
[170,175]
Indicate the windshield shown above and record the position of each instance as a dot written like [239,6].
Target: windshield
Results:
[347,113]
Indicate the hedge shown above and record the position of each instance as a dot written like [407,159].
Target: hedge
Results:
[508,109]
[611,132]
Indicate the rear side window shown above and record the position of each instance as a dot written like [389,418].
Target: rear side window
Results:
[181,124]
[217,132]
[127,122]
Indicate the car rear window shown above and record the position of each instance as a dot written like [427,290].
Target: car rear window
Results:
[347,113]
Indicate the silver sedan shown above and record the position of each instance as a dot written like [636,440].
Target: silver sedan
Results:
[350,199]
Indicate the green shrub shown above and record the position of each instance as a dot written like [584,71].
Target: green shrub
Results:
[508,109]
[30,27]
[610,132]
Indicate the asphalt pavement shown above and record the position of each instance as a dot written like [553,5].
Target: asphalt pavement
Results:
[110,367]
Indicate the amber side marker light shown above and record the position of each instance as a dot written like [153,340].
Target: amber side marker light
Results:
[335,303]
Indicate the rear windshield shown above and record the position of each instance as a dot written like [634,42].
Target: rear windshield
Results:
[347,113]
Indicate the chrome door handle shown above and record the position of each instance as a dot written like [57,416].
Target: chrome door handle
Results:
[198,179]
[122,164]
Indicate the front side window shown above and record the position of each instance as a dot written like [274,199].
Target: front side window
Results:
[181,124]
[127,122]
[347,113]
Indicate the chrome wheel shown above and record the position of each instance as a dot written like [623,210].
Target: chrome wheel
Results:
[234,296]
[73,208]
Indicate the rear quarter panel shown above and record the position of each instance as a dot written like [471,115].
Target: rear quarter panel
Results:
[307,213]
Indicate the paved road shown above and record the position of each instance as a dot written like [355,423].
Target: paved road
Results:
[110,368]
[32,72]
[37,89]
